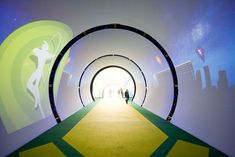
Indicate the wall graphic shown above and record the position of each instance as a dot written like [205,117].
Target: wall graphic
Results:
[26,58]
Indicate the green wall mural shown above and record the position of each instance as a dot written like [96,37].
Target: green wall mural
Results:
[26,59]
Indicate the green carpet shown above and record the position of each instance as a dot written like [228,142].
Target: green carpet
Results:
[171,146]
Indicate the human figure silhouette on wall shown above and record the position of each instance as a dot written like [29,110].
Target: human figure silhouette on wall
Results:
[43,55]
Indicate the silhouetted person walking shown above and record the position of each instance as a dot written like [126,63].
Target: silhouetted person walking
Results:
[122,95]
[127,96]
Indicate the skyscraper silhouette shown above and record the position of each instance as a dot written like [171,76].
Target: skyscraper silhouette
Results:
[222,81]
[198,79]
[207,76]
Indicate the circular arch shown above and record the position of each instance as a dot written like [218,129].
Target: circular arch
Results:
[111,26]
[109,55]
[111,66]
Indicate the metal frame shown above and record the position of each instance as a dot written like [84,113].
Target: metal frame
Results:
[111,26]
[111,55]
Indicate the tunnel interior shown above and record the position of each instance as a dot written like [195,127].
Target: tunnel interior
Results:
[65,67]
[102,63]
[92,47]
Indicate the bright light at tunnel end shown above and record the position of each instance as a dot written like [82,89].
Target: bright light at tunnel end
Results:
[112,82]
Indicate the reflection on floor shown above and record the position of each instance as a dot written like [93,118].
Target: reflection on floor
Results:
[111,128]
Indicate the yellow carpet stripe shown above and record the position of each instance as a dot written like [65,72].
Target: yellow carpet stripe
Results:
[47,150]
[115,129]
[186,149]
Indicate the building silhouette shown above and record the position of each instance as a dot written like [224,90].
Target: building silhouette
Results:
[185,74]
[198,79]
[222,81]
[212,105]
[207,77]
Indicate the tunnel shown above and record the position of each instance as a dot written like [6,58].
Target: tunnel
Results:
[117,78]
[105,61]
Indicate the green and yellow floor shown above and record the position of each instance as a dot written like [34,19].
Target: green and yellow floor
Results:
[110,128]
